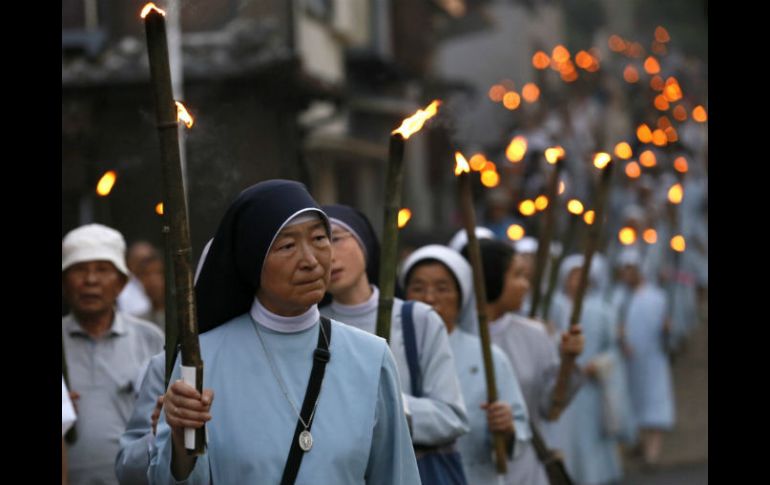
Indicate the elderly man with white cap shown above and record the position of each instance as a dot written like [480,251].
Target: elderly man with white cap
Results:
[105,349]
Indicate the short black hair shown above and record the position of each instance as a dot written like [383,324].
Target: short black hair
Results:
[496,257]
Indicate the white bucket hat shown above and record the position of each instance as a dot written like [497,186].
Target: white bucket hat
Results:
[94,242]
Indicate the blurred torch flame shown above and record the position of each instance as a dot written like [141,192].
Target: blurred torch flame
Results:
[678,243]
[589,217]
[650,236]
[183,116]
[675,194]
[403,217]
[490,178]
[656,83]
[515,232]
[149,8]
[511,100]
[630,74]
[659,138]
[414,123]
[516,150]
[699,114]
[105,184]
[159,208]
[574,206]
[651,65]
[661,34]
[623,150]
[643,133]
[601,160]
[680,113]
[477,162]
[680,165]
[554,154]
[633,171]
[672,91]
[541,202]
[530,92]
[541,60]
[497,92]
[461,164]
[562,187]
[647,159]
[627,236]
[527,207]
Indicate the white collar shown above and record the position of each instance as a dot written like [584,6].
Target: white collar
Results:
[358,308]
[282,324]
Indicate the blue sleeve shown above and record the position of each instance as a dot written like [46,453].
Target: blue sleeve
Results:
[391,457]
[137,443]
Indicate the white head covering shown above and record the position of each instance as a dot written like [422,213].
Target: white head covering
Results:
[595,274]
[526,245]
[460,239]
[461,270]
[629,256]
[94,242]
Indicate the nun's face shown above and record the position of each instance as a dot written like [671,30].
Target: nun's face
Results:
[348,262]
[296,271]
[515,284]
[432,283]
[572,281]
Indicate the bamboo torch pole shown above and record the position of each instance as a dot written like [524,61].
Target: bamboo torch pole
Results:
[554,157]
[474,253]
[559,399]
[175,205]
[393,189]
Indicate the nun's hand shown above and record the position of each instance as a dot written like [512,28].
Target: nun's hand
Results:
[156,414]
[185,407]
[572,341]
[499,417]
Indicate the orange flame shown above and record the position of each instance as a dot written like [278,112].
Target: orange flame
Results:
[461,164]
[569,76]
[159,208]
[671,134]
[659,48]
[650,236]
[663,122]
[541,202]
[527,207]
[403,217]
[647,159]
[106,183]
[678,243]
[661,34]
[511,100]
[414,123]
[627,236]
[589,217]
[616,43]
[643,133]
[699,114]
[183,116]
[659,138]
[583,59]
[651,65]
[562,187]
[515,232]
[489,166]
[560,54]
[623,150]
[477,162]
[601,160]
[554,154]
[672,91]
[490,178]
[516,150]
[633,171]
[656,83]
[661,102]
[497,92]
[541,60]
[630,74]
[149,8]
[680,113]
[530,92]
[675,194]
[574,206]
[680,165]
[635,49]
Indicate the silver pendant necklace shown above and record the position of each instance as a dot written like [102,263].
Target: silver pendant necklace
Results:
[305,439]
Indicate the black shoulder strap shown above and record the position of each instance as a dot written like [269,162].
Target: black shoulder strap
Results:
[410,347]
[320,358]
